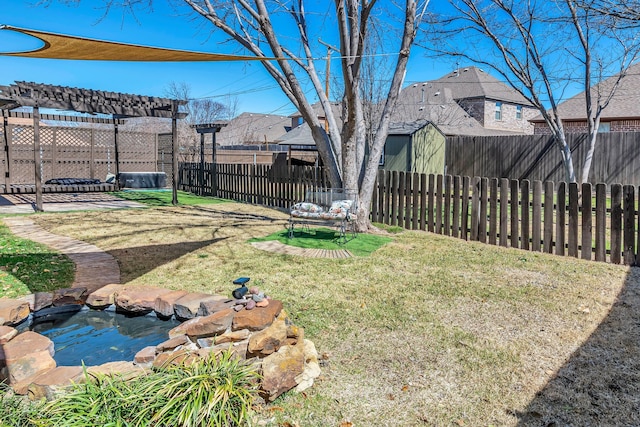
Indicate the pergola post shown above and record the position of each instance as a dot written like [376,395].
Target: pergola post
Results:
[37,160]
[201,174]
[116,151]
[174,149]
[7,155]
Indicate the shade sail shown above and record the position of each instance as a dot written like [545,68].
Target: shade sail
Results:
[59,46]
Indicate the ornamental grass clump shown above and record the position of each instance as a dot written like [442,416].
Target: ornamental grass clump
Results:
[208,392]
[211,391]
[16,411]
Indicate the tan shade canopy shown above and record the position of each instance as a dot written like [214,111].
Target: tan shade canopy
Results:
[59,46]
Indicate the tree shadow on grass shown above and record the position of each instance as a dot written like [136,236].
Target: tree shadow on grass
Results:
[600,384]
[139,260]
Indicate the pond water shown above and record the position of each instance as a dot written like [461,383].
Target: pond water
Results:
[95,337]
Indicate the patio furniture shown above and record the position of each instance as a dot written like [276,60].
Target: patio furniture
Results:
[333,206]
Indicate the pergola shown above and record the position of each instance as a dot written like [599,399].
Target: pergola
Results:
[117,105]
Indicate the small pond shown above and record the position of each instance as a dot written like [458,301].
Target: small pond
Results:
[95,337]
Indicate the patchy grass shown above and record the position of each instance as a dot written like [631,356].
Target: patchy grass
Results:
[165,197]
[427,330]
[326,238]
[27,267]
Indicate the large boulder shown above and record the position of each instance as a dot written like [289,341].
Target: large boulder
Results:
[187,307]
[207,326]
[280,370]
[138,299]
[48,384]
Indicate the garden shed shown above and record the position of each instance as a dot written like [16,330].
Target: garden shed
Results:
[417,147]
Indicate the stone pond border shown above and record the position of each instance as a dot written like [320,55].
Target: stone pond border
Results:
[211,324]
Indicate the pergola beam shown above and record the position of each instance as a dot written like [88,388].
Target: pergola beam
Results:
[119,105]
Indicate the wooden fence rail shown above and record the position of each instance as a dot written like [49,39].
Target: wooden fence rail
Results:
[592,222]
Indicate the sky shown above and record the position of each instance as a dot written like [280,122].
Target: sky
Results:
[167,25]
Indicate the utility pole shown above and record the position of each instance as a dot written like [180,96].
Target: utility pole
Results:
[327,75]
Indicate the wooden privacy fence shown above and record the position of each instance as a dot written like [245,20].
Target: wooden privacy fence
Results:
[592,222]
[275,186]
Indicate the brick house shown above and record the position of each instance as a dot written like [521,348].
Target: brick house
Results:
[621,115]
[468,101]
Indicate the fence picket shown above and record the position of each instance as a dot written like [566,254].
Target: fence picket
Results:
[616,223]
[572,238]
[587,218]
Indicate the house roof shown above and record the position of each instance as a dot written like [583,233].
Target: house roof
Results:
[472,82]
[623,105]
[252,128]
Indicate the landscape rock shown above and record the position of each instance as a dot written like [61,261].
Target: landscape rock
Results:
[164,304]
[198,327]
[172,343]
[268,340]
[187,306]
[121,369]
[13,311]
[233,336]
[280,369]
[70,296]
[6,334]
[311,367]
[19,373]
[258,318]
[38,301]
[48,384]
[103,297]
[25,343]
[146,355]
[138,299]
[238,349]
[210,307]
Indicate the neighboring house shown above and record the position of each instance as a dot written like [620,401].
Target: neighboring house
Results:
[417,147]
[621,115]
[253,128]
[467,101]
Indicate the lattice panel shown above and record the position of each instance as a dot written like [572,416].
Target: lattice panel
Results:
[105,158]
[72,154]
[22,170]
[66,153]
[137,152]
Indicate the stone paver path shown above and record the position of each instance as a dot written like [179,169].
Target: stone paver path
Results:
[94,267]
[280,248]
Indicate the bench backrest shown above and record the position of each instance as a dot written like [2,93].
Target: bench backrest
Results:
[325,197]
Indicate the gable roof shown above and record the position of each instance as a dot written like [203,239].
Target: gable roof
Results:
[623,105]
[253,128]
[474,82]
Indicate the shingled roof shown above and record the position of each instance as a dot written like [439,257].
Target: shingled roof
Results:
[473,82]
[253,128]
[624,104]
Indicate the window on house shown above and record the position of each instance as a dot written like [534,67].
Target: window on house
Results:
[498,110]
[605,127]
[519,112]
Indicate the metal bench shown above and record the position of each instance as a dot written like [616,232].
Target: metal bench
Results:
[334,206]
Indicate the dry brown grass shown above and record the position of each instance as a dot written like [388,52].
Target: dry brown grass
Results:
[428,331]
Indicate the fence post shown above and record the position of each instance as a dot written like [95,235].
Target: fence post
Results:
[465,207]
[561,207]
[493,212]
[504,211]
[629,225]
[455,226]
[525,223]
[536,212]
[515,217]
[548,217]
[482,214]
[439,185]
[423,201]
[447,205]
[475,207]
[394,198]
[616,223]
[587,215]
[401,199]
[573,220]
[415,201]
[430,208]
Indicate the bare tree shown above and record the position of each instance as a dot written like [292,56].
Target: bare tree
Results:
[198,111]
[621,12]
[265,29]
[519,41]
